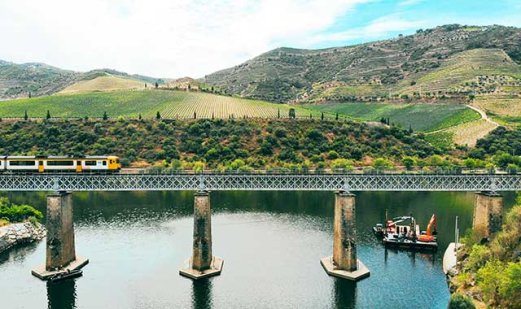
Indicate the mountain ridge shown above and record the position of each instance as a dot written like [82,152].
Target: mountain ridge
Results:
[288,74]
[37,79]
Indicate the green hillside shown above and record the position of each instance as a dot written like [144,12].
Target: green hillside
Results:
[170,104]
[420,117]
[439,59]
[20,80]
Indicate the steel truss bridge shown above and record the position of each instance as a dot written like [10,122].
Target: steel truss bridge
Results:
[259,182]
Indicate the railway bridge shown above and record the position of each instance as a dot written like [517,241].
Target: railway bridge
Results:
[60,248]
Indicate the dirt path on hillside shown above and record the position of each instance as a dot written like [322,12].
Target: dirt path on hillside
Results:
[483,115]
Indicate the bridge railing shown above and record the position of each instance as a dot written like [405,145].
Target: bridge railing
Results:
[264,182]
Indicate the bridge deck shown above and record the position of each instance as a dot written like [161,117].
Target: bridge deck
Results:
[263,182]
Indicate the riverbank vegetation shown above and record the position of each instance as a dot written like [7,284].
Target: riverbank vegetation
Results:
[12,213]
[490,273]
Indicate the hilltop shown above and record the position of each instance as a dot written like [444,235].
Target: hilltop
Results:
[38,79]
[433,64]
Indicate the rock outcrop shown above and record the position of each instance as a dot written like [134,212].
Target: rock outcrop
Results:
[19,233]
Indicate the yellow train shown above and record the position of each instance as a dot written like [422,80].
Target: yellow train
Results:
[43,164]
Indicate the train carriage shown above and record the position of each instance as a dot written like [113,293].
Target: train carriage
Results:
[43,164]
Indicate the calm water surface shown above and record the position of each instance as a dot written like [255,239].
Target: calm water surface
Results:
[271,242]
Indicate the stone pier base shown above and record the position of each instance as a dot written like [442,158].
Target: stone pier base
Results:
[44,274]
[331,269]
[343,263]
[214,270]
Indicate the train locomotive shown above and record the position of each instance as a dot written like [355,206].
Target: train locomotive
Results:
[50,164]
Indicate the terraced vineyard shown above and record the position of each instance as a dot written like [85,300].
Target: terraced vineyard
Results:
[104,83]
[421,117]
[464,67]
[170,104]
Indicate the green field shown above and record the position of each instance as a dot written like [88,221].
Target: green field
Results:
[421,117]
[170,104]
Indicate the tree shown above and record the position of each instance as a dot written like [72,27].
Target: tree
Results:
[195,115]
[292,113]
[278,113]
[472,97]
[156,85]
[410,129]
[139,117]
[105,117]
[336,117]
[145,85]
[158,116]
[25,116]
[409,162]
[322,116]
[48,115]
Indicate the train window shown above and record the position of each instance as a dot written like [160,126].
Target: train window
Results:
[60,163]
[40,163]
[22,163]
[104,163]
[90,163]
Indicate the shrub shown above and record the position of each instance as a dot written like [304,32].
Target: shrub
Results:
[382,164]
[19,213]
[479,255]
[458,301]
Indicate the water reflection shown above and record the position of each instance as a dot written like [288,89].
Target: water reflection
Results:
[19,253]
[345,294]
[61,294]
[202,294]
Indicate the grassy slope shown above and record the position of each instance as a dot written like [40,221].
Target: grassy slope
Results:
[421,117]
[103,83]
[170,104]
[468,133]
[506,109]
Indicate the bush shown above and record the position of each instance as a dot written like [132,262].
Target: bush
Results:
[382,164]
[19,213]
[458,301]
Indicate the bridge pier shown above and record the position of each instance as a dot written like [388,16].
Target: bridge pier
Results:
[487,218]
[344,263]
[202,264]
[60,253]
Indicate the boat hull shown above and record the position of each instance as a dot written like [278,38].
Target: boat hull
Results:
[409,244]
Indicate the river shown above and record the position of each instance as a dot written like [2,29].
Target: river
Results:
[271,243]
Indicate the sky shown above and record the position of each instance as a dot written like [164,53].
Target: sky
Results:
[177,38]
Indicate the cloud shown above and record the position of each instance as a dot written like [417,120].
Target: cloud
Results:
[376,29]
[164,38]
[409,2]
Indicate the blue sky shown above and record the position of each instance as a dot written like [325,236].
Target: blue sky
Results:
[176,38]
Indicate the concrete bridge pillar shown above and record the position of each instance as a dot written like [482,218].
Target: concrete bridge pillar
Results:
[203,263]
[488,208]
[344,263]
[61,253]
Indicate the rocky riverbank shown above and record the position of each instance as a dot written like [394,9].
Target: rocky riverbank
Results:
[19,233]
